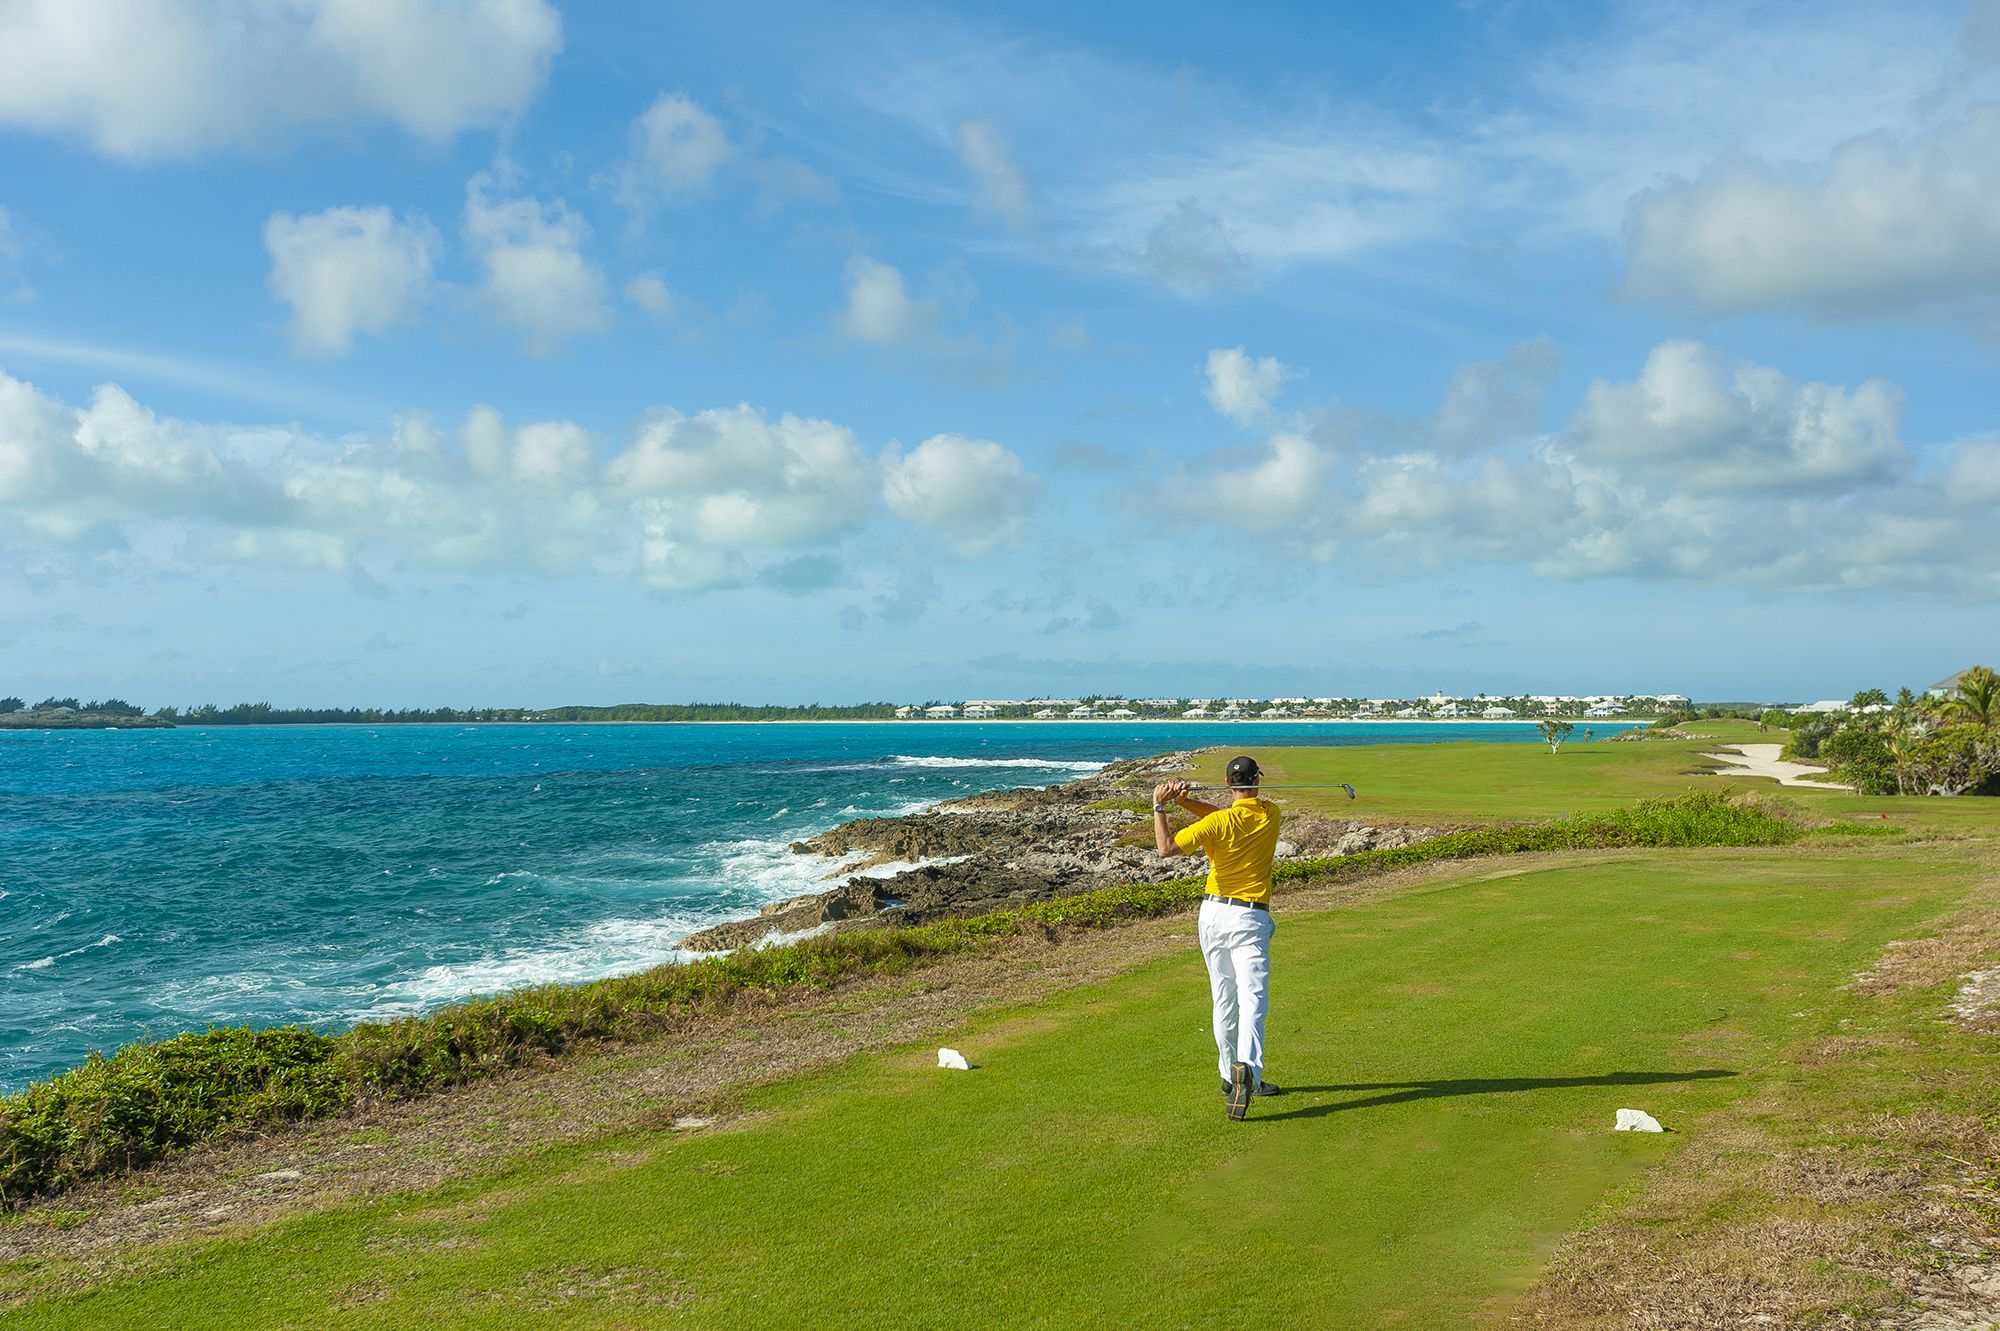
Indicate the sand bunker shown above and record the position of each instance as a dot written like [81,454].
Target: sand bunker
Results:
[1762,760]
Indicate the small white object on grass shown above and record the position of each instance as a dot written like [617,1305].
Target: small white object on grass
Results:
[951,1058]
[1637,1120]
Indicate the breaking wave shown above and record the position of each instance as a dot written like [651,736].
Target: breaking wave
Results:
[1046,764]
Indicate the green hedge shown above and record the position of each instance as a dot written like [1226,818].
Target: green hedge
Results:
[150,1099]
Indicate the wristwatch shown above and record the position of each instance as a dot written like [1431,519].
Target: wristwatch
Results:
[1159,808]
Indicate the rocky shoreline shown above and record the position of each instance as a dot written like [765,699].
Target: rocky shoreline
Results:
[1005,848]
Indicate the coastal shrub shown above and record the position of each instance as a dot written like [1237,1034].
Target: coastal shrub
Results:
[1808,733]
[1704,818]
[1954,761]
[148,1100]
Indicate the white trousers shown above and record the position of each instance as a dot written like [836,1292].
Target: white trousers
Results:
[1236,944]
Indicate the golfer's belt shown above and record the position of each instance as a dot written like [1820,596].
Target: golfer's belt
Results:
[1239,901]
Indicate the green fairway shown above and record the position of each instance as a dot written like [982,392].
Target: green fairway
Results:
[1455,1054]
[1474,782]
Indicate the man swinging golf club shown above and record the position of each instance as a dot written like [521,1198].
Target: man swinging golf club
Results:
[1235,928]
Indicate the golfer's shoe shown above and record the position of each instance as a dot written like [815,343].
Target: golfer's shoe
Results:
[1240,1091]
[1263,1088]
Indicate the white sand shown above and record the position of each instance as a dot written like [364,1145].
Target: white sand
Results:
[1762,760]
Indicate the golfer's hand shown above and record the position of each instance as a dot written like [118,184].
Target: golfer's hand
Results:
[1167,792]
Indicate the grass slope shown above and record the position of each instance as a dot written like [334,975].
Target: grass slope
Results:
[1456,1053]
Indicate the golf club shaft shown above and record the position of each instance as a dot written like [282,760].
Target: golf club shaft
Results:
[1324,785]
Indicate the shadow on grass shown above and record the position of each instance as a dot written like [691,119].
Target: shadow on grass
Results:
[1401,1092]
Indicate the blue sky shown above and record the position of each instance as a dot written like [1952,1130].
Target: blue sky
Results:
[516,352]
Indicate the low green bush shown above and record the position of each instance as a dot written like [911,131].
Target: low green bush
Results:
[148,1100]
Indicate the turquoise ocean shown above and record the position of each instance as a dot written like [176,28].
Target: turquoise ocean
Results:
[160,881]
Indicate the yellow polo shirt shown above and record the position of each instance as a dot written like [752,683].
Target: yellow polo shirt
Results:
[1241,842]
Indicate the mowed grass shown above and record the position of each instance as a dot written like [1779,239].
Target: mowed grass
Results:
[1486,783]
[1455,1052]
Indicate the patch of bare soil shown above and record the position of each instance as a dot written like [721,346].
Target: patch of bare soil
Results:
[686,1080]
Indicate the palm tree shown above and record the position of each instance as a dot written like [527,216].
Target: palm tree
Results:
[1978,696]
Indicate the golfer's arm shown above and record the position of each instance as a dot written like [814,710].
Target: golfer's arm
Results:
[1163,837]
[1196,807]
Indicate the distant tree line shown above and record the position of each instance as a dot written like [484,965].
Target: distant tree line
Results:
[104,706]
[717,711]
[264,714]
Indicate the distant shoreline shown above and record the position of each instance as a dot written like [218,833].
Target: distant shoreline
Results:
[150,724]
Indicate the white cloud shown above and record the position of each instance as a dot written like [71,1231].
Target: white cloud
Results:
[732,479]
[1691,422]
[972,494]
[1002,191]
[1698,469]
[544,453]
[1974,477]
[536,277]
[1192,251]
[142,79]
[1273,488]
[36,452]
[650,292]
[348,270]
[677,146]
[1885,226]
[1202,185]
[1421,510]
[720,498]
[1491,402]
[781,180]
[880,309]
[1241,388]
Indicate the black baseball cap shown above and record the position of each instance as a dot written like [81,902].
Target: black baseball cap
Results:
[1242,771]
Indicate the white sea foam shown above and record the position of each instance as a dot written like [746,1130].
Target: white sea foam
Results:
[105,941]
[1051,764]
[769,871]
[610,947]
[43,963]
[894,867]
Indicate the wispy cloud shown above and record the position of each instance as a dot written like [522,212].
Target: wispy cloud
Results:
[1133,163]
[209,377]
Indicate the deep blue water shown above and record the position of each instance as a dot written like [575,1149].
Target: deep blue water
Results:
[158,881]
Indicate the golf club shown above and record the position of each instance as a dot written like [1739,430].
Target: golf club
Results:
[1329,785]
